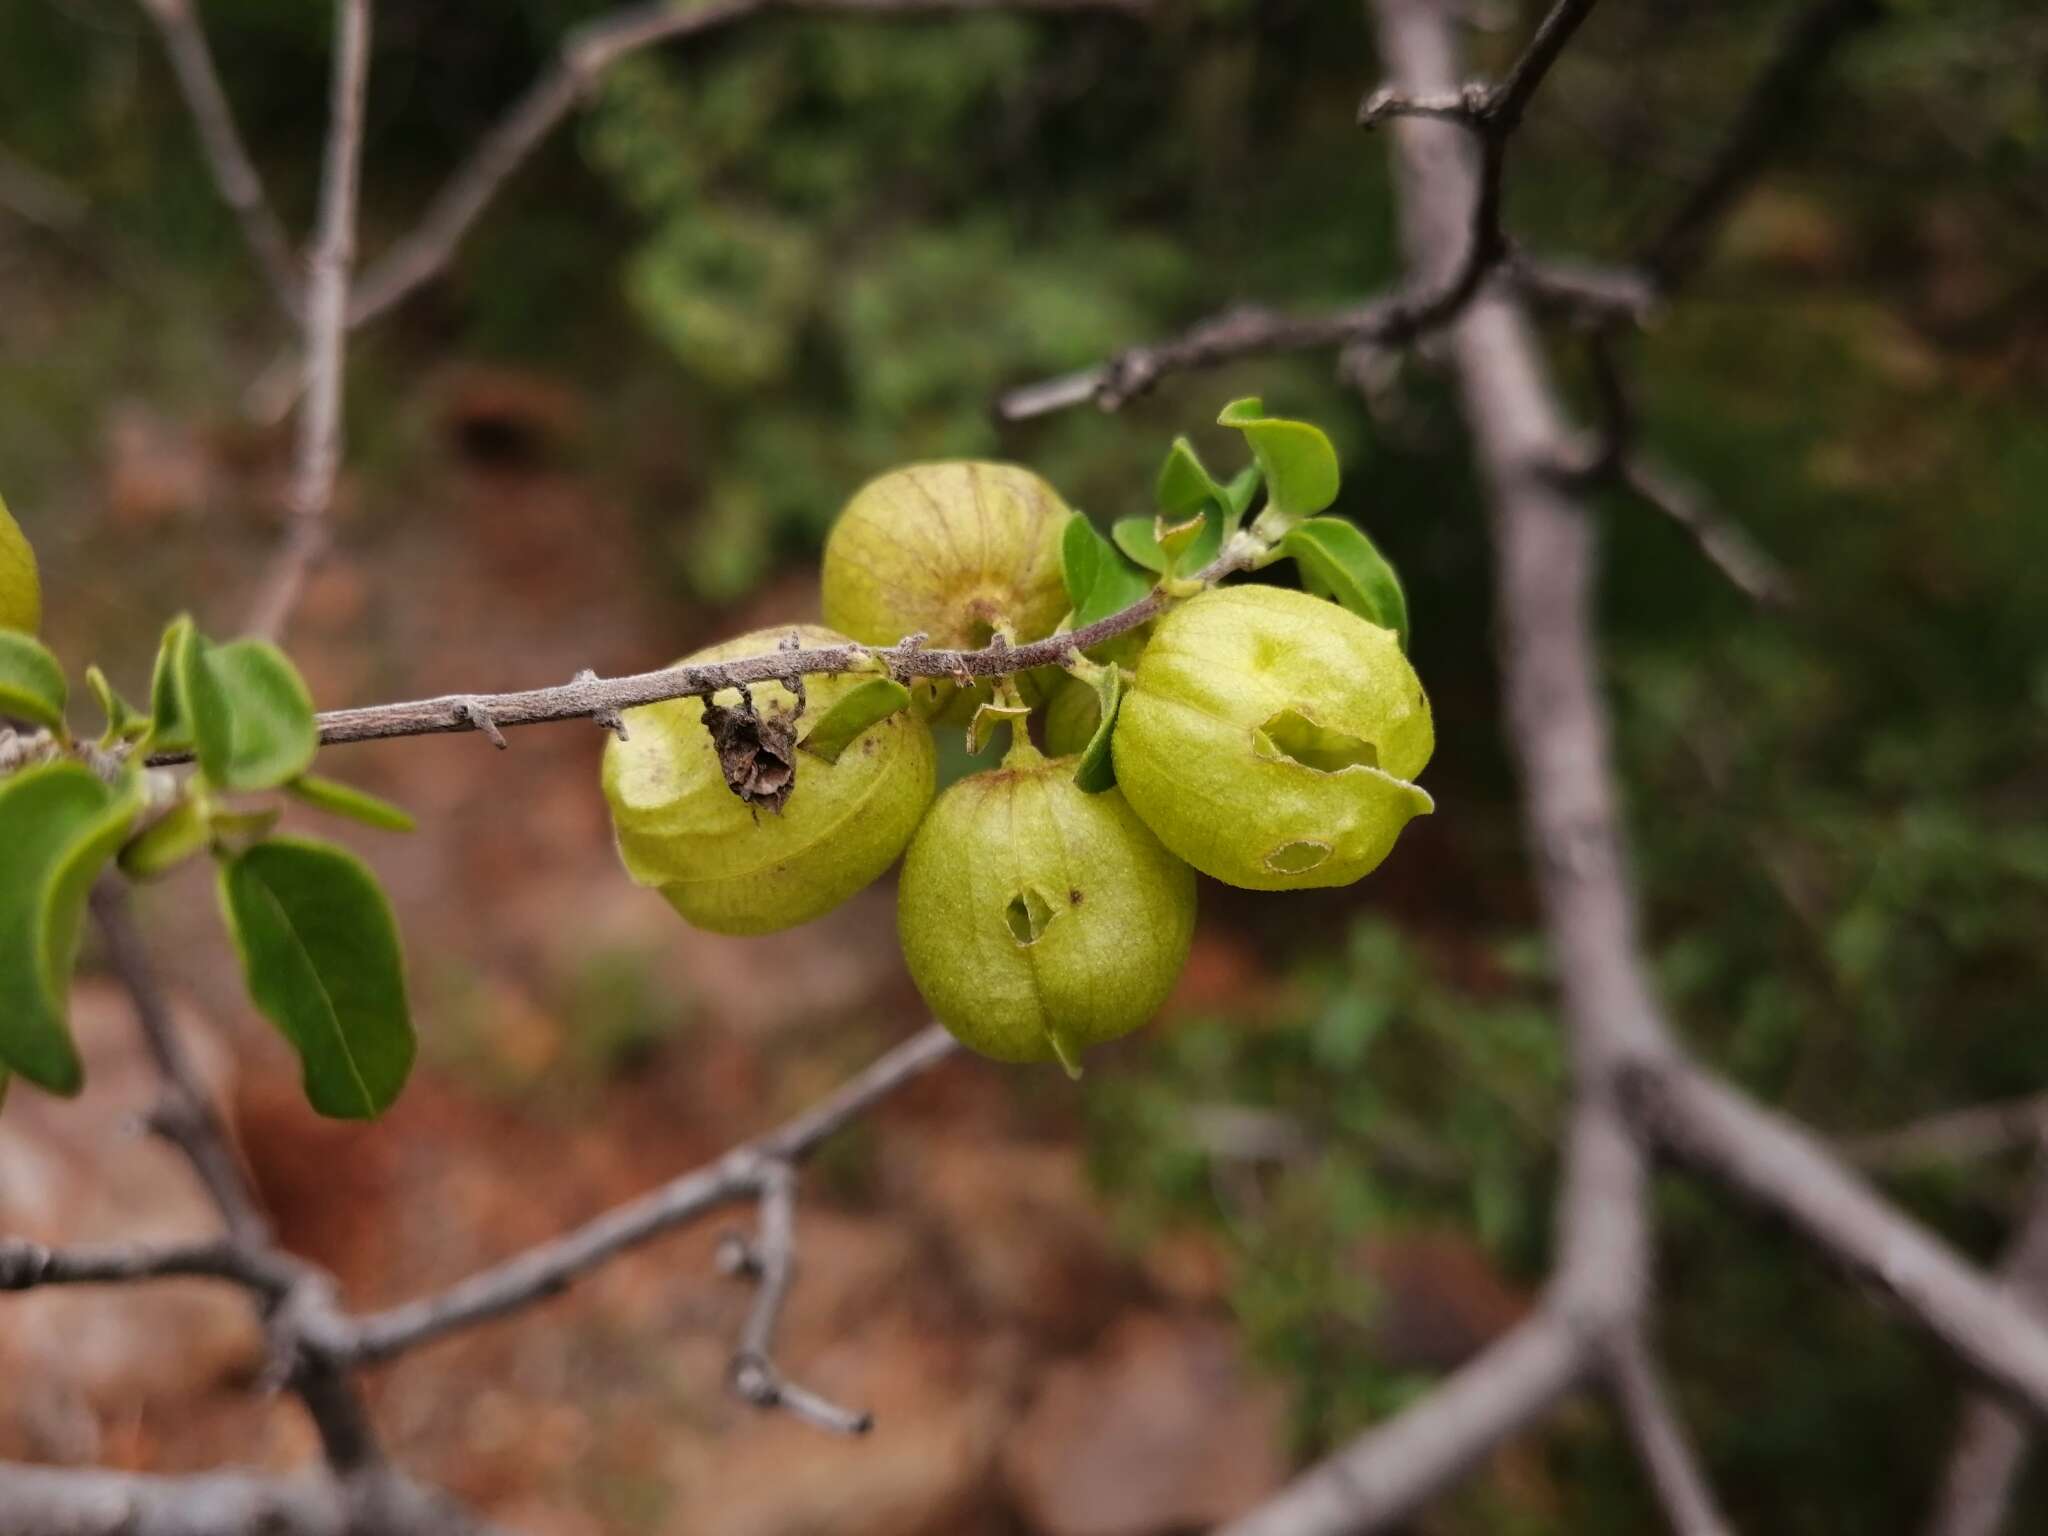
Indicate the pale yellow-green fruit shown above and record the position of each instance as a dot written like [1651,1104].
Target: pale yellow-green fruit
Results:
[732,868]
[1271,739]
[1038,920]
[950,550]
[21,592]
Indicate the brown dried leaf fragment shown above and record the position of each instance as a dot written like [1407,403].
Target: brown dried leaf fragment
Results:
[756,752]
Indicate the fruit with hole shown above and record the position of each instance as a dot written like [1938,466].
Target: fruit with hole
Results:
[1271,739]
[1038,920]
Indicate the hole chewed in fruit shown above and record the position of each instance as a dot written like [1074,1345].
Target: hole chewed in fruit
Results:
[1028,915]
[1297,858]
[1293,736]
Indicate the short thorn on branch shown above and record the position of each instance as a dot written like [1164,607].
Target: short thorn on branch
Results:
[605,718]
[472,713]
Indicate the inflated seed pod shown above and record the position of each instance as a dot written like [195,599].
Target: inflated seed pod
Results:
[1038,920]
[1270,739]
[735,866]
[950,550]
[21,593]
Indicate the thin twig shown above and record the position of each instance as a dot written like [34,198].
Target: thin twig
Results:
[184,1114]
[25,1265]
[1959,1136]
[1788,1172]
[1384,1475]
[589,697]
[1399,318]
[1660,1441]
[586,53]
[1773,103]
[548,1269]
[234,174]
[88,1501]
[310,497]
[770,1262]
[1251,330]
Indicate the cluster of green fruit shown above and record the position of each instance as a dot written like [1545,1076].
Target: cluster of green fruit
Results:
[1266,737]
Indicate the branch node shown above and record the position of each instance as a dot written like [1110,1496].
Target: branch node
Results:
[603,716]
[472,713]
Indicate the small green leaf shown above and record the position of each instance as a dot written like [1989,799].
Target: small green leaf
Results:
[1244,485]
[59,824]
[169,728]
[1299,465]
[357,804]
[166,842]
[865,704]
[31,682]
[272,735]
[124,721]
[1188,545]
[1338,561]
[242,826]
[1138,537]
[1096,771]
[205,707]
[1185,485]
[988,719]
[1099,582]
[321,958]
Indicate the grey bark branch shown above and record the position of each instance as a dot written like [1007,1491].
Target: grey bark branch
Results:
[1789,1173]
[589,697]
[1383,1476]
[1396,319]
[234,174]
[309,499]
[1992,1440]
[184,1114]
[1982,1130]
[586,54]
[1559,729]
[67,1501]
[548,1269]
[1660,1441]
[1630,1080]
[770,1262]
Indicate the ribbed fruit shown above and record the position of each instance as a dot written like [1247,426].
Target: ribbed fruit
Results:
[1037,920]
[735,868]
[1270,739]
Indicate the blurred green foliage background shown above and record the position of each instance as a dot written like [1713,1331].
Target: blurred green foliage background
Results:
[780,259]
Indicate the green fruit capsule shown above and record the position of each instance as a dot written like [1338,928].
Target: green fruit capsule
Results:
[1037,920]
[948,550]
[735,867]
[1270,739]
[21,593]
